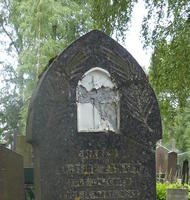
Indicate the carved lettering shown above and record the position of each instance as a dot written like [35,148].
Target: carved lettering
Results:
[112,168]
[101,194]
[96,170]
[90,182]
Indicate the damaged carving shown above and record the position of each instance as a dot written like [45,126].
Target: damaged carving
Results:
[97,102]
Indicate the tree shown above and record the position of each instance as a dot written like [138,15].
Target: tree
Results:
[38,30]
[164,19]
[169,72]
[181,129]
[112,17]
[10,105]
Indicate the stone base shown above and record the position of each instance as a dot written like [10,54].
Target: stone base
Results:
[176,194]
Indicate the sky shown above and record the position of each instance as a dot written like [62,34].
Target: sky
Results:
[133,42]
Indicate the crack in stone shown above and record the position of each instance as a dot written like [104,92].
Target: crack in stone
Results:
[105,100]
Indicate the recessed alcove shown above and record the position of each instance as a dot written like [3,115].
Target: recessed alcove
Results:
[97,102]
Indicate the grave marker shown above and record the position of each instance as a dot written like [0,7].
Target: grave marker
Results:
[24,149]
[172,166]
[172,163]
[94,122]
[160,161]
[11,175]
[185,172]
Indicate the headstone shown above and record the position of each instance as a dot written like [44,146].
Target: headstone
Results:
[185,172]
[160,162]
[172,166]
[179,171]
[11,175]
[94,122]
[25,149]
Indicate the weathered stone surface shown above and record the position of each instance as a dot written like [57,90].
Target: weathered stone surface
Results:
[176,194]
[110,164]
[11,175]
[24,149]
[160,161]
[185,172]
[172,166]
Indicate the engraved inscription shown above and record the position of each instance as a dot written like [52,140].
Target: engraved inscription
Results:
[103,194]
[81,182]
[97,176]
[112,168]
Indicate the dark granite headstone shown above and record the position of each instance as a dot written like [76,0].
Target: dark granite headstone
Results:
[160,161]
[185,172]
[179,171]
[93,122]
[11,175]
[172,166]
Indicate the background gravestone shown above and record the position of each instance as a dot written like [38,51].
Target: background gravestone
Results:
[11,175]
[172,166]
[93,122]
[179,173]
[185,172]
[172,163]
[160,162]
[24,149]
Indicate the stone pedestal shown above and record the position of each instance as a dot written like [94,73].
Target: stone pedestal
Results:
[176,194]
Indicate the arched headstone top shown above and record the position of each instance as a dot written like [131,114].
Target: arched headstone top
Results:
[54,107]
[96,44]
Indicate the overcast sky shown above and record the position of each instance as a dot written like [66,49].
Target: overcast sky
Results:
[133,42]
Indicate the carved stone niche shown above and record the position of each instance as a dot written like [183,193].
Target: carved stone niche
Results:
[97,102]
[93,123]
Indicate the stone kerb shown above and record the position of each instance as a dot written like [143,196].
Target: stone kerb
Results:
[176,194]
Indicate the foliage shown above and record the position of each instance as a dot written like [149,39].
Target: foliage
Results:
[181,129]
[112,16]
[169,72]
[164,20]
[38,30]
[10,105]
[161,191]
[162,187]
[188,186]
[170,62]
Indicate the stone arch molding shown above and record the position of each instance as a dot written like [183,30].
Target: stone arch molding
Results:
[54,103]
[97,99]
